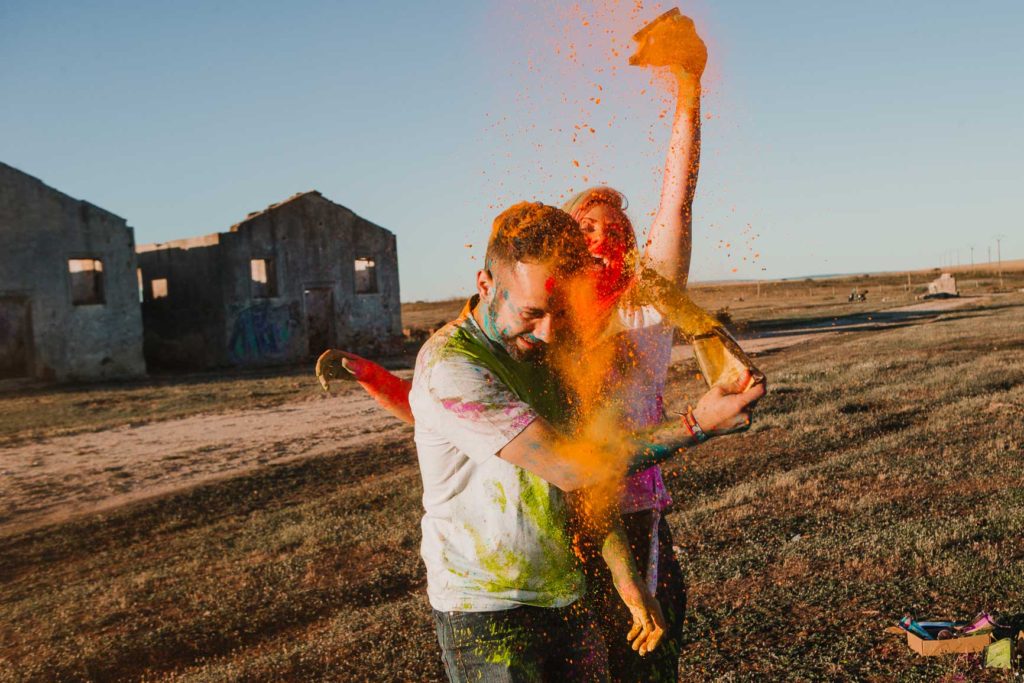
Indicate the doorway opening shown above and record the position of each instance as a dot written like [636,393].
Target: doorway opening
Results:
[319,304]
[15,337]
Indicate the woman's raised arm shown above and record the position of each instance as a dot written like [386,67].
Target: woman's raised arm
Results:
[669,243]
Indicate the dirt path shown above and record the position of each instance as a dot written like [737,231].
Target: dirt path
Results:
[60,478]
[56,479]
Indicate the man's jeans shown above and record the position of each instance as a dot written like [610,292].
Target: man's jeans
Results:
[522,644]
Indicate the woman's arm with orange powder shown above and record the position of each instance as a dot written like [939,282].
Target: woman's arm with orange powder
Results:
[390,391]
[669,243]
[648,625]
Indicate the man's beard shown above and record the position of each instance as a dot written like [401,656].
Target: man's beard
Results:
[535,355]
[508,341]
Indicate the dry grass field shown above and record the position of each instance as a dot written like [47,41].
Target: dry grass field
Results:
[884,473]
[779,303]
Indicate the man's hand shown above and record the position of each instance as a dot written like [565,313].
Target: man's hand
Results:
[336,364]
[724,409]
[648,622]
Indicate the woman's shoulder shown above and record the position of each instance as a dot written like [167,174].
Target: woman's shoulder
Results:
[633,315]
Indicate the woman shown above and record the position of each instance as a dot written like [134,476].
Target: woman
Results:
[641,343]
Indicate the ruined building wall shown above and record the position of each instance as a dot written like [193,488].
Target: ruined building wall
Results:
[300,298]
[44,333]
[183,302]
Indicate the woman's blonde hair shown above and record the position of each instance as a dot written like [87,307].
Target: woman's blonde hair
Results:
[579,203]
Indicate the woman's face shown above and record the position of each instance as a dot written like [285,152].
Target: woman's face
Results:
[604,228]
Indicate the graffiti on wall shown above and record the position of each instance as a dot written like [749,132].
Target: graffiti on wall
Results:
[261,332]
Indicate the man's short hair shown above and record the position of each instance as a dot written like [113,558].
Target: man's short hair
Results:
[531,232]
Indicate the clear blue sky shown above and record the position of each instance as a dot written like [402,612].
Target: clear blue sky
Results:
[842,137]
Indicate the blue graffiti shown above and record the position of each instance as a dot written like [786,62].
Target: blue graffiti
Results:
[260,332]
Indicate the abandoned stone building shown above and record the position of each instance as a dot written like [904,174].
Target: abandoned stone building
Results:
[283,285]
[69,293]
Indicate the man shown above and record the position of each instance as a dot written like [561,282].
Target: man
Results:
[502,578]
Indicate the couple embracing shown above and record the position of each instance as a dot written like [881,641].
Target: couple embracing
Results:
[546,550]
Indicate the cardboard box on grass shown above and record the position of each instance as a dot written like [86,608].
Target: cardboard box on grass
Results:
[931,648]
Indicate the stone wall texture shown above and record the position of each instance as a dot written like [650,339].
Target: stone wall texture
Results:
[43,333]
[303,299]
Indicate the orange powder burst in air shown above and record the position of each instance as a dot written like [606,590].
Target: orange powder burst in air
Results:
[574,93]
[576,81]
[564,59]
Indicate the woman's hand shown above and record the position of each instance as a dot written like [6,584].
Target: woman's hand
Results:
[648,622]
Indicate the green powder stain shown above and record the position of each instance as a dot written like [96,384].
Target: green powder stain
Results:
[535,494]
[499,495]
[553,572]
[506,645]
[559,570]
[529,381]
[501,653]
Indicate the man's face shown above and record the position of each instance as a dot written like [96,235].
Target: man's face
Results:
[520,307]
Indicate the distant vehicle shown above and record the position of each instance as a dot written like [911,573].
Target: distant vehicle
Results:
[857,295]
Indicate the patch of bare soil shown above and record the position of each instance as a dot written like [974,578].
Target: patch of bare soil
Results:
[57,479]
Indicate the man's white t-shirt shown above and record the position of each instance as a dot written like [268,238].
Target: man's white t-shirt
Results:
[494,534]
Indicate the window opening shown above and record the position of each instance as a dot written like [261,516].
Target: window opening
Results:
[159,288]
[264,280]
[366,276]
[86,281]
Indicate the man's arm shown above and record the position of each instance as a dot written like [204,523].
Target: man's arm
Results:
[574,464]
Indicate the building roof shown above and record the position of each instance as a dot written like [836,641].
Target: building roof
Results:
[184,243]
[11,170]
[214,238]
[295,197]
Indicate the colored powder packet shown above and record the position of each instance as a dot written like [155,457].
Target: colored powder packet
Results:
[999,654]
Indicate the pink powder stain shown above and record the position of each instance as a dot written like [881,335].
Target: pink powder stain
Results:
[522,421]
[468,409]
[474,410]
